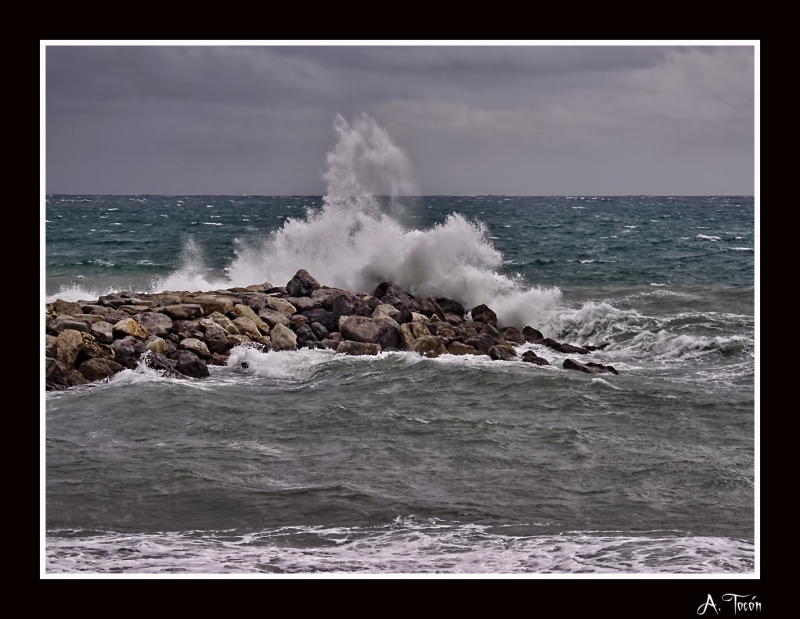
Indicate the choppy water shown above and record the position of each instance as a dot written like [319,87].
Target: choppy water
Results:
[309,461]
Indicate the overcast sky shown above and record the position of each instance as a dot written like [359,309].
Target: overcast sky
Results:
[514,120]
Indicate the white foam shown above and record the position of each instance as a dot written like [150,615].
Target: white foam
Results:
[708,238]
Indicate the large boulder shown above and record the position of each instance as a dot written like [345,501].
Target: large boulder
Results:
[383,331]
[65,321]
[589,368]
[429,307]
[327,319]
[216,338]
[98,369]
[482,313]
[302,284]
[457,348]
[103,332]
[449,306]
[92,349]
[156,323]
[283,338]
[130,326]
[350,347]
[248,312]
[68,345]
[411,331]
[282,305]
[69,308]
[189,364]
[128,350]
[513,335]
[532,335]
[183,311]
[274,317]
[197,347]
[306,337]
[531,357]
[246,326]
[224,322]
[502,352]
[211,303]
[428,346]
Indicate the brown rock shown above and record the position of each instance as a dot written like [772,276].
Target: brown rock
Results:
[98,369]
[68,344]
[130,326]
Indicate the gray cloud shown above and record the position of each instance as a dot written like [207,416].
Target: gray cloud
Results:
[473,119]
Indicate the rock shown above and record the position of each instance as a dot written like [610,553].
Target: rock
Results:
[297,321]
[247,312]
[332,341]
[156,323]
[50,345]
[349,305]
[59,323]
[302,304]
[219,359]
[224,322]
[282,305]
[502,352]
[323,298]
[246,326]
[68,344]
[273,317]
[319,330]
[256,301]
[384,310]
[302,284]
[327,319]
[110,315]
[55,374]
[75,378]
[92,349]
[157,345]
[530,357]
[513,335]
[161,363]
[283,338]
[211,303]
[429,307]
[99,369]
[130,326]
[305,337]
[197,347]
[61,307]
[128,350]
[238,340]
[449,306]
[183,311]
[132,310]
[482,313]
[428,346]
[589,368]
[189,364]
[350,347]
[412,331]
[103,332]
[532,335]
[216,338]
[482,342]
[453,319]
[569,348]
[457,348]
[383,331]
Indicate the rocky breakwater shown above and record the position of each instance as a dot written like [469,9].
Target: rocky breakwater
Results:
[181,333]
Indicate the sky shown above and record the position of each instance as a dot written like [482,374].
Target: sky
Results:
[472,119]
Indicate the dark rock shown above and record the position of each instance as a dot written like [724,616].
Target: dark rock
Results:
[303,304]
[302,284]
[429,307]
[482,342]
[569,348]
[482,313]
[327,319]
[349,305]
[513,335]
[589,368]
[189,364]
[428,346]
[458,348]
[156,323]
[449,306]
[305,336]
[98,369]
[128,350]
[399,298]
[531,357]
[254,300]
[383,331]
[55,374]
[502,353]
[319,330]
[216,338]
[532,335]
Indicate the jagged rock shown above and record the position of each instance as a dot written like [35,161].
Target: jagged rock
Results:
[246,326]
[55,374]
[60,307]
[383,331]
[186,328]
[68,344]
[482,342]
[502,352]
[224,322]
[103,332]
[482,313]
[130,326]
[161,363]
[197,347]
[429,307]
[589,368]
[513,335]
[428,346]
[246,312]
[256,301]
[156,323]
[99,368]
[531,357]
[128,350]
[158,345]
[50,345]
[323,298]
[303,304]
[216,338]
[59,323]
[449,306]
[349,305]
[302,284]
[327,319]
[384,310]
[92,349]
[457,348]
[319,330]
[453,319]
[350,347]
[183,311]
[283,338]
[283,306]
[532,335]
[273,317]
[305,337]
[75,378]
[333,340]
[412,331]
[569,348]
[189,364]
[297,321]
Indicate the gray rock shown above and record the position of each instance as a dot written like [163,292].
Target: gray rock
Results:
[189,364]
[482,313]
[156,323]
[99,369]
[350,347]
[283,338]
[59,323]
[302,284]
[383,331]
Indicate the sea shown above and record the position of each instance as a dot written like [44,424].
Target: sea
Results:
[312,463]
